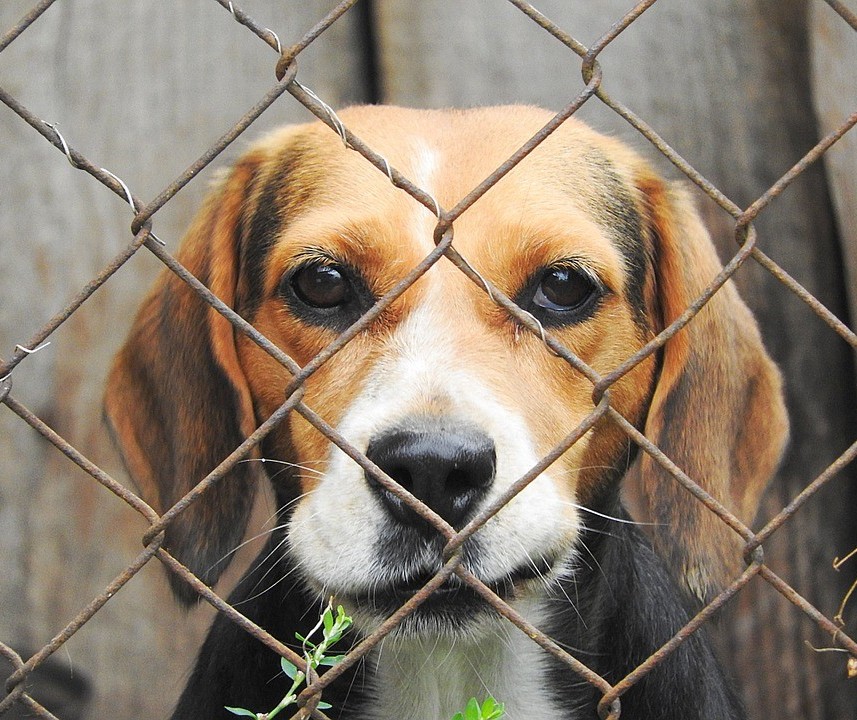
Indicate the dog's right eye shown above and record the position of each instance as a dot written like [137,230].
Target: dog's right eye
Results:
[326,293]
[321,286]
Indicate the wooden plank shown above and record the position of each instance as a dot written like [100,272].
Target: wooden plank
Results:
[834,58]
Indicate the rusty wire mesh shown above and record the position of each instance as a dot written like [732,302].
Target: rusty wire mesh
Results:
[142,230]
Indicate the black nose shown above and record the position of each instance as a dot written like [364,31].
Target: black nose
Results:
[449,467]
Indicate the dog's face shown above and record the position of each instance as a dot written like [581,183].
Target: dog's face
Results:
[445,392]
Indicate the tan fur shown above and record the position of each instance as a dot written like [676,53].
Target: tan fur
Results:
[721,389]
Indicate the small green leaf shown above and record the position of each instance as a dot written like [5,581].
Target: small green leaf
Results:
[332,628]
[323,705]
[471,712]
[288,668]
[305,641]
[458,716]
[332,638]
[242,712]
[341,618]
[331,660]
[491,709]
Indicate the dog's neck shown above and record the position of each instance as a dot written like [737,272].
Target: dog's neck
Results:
[433,678]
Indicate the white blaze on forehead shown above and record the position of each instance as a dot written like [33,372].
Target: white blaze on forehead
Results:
[425,164]
[423,170]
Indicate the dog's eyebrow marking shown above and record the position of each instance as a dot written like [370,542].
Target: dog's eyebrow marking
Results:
[615,209]
[272,195]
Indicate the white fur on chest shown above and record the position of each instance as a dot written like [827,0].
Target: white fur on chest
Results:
[433,678]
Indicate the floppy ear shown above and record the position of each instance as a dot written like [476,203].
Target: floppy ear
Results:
[177,400]
[717,410]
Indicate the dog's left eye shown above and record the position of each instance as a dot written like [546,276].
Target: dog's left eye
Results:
[562,289]
[561,295]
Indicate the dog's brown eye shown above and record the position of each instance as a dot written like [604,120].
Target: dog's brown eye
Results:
[564,289]
[561,294]
[321,286]
[326,293]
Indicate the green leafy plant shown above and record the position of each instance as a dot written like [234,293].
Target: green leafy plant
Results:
[489,710]
[332,629]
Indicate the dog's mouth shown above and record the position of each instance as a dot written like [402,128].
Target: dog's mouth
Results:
[453,602]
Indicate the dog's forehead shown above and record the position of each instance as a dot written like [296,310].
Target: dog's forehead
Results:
[450,152]
[577,183]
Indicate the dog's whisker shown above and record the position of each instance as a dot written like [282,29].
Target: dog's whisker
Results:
[624,521]
[256,593]
[261,561]
[237,548]
[262,533]
[272,461]
[539,573]
[571,603]
[551,586]
[604,533]
[598,566]
[283,509]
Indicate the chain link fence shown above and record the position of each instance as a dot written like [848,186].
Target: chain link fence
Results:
[145,239]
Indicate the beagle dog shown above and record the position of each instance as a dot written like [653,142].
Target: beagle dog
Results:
[452,398]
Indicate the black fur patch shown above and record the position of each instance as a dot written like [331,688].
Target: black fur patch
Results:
[258,233]
[617,212]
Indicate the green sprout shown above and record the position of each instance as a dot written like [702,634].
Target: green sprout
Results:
[333,628]
[489,710]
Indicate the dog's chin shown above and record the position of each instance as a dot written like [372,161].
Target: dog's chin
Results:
[454,608]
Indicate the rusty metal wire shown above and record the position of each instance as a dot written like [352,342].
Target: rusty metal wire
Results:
[24,23]
[845,13]
[286,71]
